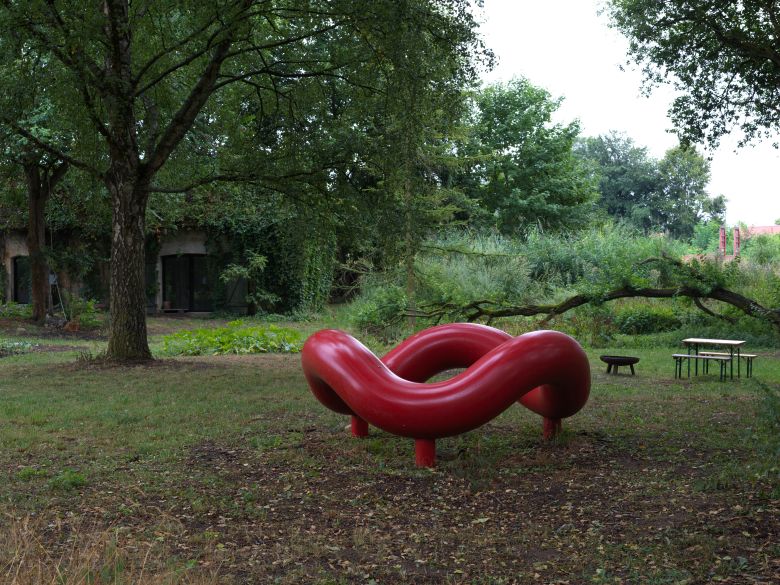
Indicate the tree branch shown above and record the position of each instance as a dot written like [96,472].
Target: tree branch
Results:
[171,49]
[57,174]
[248,178]
[55,152]
[182,121]
[489,309]
[700,305]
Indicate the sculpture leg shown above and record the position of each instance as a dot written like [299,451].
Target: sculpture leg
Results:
[425,452]
[359,427]
[551,427]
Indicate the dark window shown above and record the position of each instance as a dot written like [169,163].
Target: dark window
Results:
[186,285]
[21,276]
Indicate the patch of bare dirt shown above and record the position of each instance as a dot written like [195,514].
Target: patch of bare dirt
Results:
[322,509]
[99,363]
[25,328]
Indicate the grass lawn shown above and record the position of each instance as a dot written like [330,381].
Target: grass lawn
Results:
[227,470]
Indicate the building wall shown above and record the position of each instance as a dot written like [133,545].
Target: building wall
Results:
[769,230]
[15,245]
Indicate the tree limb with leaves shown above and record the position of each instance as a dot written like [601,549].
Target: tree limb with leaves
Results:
[722,55]
[696,288]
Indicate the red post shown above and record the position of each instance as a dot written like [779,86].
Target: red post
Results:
[359,427]
[736,241]
[425,452]
[722,244]
[551,428]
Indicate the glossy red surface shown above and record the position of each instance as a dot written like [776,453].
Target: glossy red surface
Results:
[546,371]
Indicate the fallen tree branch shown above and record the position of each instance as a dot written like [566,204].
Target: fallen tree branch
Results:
[700,305]
[490,310]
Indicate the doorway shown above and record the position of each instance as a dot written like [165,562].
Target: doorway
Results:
[21,276]
[186,284]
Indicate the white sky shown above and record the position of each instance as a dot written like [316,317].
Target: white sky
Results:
[565,47]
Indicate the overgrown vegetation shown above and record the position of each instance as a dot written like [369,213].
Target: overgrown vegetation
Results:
[16,310]
[83,312]
[466,276]
[237,337]
[10,347]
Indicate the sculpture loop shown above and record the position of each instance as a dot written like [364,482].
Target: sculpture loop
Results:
[546,371]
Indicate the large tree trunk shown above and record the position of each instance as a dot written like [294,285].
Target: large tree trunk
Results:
[128,178]
[36,241]
[127,335]
[128,186]
[40,184]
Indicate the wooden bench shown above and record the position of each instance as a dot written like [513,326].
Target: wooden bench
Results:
[679,357]
[748,360]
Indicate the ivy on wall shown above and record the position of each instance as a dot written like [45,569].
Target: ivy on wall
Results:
[299,245]
[300,262]
[3,275]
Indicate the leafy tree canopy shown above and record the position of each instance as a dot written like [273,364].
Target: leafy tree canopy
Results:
[627,174]
[161,89]
[519,166]
[653,195]
[722,55]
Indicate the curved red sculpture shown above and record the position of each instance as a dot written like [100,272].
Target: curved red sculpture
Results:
[546,371]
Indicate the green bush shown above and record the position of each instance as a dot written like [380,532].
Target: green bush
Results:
[457,270]
[84,311]
[645,318]
[16,310]
[236,338]
[763,250]
[8,347]
[378,308]
[592,325]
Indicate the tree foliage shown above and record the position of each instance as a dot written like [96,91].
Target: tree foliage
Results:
[668,195]
[476,278]
[30,83]
[628,178]
[682,200]
[518,165]
[169,87]
[722,55]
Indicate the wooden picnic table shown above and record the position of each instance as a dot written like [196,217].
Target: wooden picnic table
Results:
[693,343]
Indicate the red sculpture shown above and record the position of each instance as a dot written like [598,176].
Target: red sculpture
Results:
[546,371]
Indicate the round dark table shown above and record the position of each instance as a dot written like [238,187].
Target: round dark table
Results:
[614,361]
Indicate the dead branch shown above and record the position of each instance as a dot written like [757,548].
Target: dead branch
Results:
[490,310]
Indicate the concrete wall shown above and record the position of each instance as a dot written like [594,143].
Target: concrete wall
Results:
[15,245]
